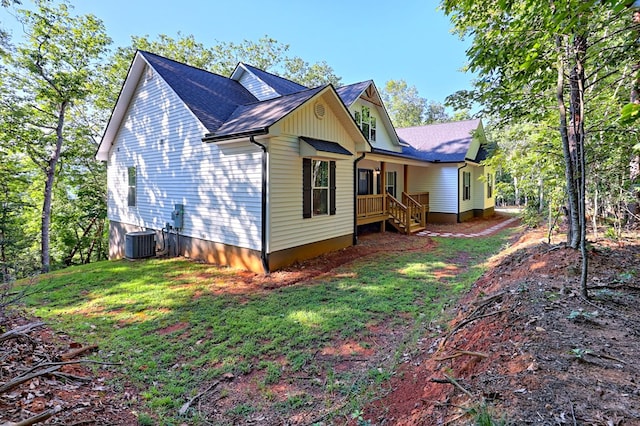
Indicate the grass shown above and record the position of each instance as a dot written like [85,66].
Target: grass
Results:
[127,308]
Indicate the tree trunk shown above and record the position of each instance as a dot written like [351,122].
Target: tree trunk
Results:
[48,190]
[573,232]
[69,258]
[578,111]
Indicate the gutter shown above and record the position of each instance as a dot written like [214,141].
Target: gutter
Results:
[355,198]
[264,257]
[460,168]
[211,137]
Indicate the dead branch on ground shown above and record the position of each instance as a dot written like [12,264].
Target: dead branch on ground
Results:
[20,331]
[35,419]
[459,353]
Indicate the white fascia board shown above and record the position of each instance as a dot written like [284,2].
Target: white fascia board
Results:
[122,104]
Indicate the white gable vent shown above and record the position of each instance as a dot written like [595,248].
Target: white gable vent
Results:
[140,244]
[319,110]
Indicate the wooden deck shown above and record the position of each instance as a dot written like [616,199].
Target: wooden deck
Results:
[408,215]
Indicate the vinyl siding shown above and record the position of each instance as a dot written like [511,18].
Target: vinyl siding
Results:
[220,186]
[383,139]
[287,226]
[441,183]
[481,201]
[257,87]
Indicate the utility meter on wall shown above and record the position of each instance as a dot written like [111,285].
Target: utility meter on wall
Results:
[177,215]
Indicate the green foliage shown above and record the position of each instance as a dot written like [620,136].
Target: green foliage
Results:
[524,54]
[630,113]
[407,108]
[241,410]
[581,315]
[47,83]
[358,416]
[222,58]
[530,217]
[579,353]
[59,71]
[313,75]
[483,416]
[145,420]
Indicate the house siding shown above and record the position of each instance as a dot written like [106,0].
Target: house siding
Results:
[440,182]
[257,87]
[467,205]
[383,139]
[479,187]
[220,187]
[287,227]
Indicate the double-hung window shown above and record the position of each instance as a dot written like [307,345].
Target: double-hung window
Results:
[390,183]
[318,187]
[466,185]
[131,184]
[366,122]
[320,182]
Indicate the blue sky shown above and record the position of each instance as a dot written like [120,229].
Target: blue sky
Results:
[361,40]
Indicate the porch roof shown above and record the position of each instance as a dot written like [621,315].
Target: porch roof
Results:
[444,142]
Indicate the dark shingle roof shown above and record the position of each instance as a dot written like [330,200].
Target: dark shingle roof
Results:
[223,105]
[349,94]
[326,146]
[279,84]
[260,115]
[211,97]
[445,142]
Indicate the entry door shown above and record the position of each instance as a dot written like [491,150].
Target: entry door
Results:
[365,181]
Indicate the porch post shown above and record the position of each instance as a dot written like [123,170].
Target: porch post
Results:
[406,178]
[383,189]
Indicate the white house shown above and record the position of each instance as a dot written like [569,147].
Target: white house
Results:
[256,171]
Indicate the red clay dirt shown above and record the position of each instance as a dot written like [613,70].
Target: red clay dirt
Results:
[523,347]
[526,348]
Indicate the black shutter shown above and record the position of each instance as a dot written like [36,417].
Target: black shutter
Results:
[306,187]
[332,187]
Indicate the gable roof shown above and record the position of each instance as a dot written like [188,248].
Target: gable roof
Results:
[444,142]
[350,93]
[223,105]
[258,116]
[211,97]
[281,85]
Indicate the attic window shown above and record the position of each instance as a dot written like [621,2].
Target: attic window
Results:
[366,122]
[319,110]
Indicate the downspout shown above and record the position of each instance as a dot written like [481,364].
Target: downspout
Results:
[355,198]
[460,168]
[264,257]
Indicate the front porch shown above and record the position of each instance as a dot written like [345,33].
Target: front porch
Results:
[408,215]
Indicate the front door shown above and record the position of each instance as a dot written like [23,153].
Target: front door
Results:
[365,181]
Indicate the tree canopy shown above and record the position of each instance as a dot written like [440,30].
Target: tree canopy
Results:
[57,88]
[567,66]
[407,108]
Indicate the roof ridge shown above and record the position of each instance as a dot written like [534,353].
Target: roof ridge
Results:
[438,124]
[146,52]
[270,73]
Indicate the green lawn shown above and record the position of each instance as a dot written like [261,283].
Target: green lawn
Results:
[127,308]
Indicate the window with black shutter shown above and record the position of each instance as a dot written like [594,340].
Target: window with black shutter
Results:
[319,187]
